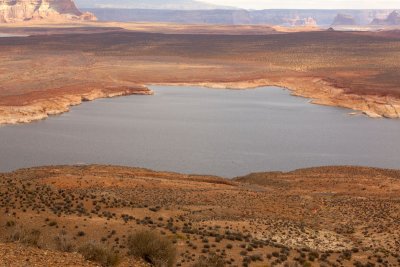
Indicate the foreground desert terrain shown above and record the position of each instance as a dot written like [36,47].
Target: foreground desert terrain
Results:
[328,216]
[59,66]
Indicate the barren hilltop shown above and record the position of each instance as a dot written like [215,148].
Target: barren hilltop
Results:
[328,216]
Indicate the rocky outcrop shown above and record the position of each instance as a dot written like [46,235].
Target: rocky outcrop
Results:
[28,10]
[343,20]
[307,22]
[297,21]
[321,92]
[43,108]
[392,20]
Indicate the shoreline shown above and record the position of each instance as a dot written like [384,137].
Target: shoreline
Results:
[43,108]
[319,91]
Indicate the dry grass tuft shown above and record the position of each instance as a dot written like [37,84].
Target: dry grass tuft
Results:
[152,248]
[100,254]
[27,237]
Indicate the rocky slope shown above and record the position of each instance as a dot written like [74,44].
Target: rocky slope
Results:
[27,10]
[328,216]
[19,255]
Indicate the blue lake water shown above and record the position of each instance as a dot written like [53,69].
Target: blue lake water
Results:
[204,131]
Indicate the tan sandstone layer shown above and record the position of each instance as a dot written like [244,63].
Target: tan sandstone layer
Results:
[43,108]
[322,93]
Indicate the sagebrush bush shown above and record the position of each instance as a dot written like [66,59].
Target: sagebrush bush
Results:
[27,237]
[10,223]
[153,248]
[63,244]
[100,254]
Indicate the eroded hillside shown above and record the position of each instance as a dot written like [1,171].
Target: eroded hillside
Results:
[329,216]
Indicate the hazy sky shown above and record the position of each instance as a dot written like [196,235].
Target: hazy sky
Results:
[317,4]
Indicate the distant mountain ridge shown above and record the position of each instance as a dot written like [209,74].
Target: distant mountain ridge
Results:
[284,17]
[150,4]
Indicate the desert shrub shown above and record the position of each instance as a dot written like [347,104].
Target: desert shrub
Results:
[63,244]
[10,223]
[100,254]
[53,223]
[292,264]
[27,237]
[81,233]
[213,260]
[153,248]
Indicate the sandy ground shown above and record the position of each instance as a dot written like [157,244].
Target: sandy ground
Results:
[19,255]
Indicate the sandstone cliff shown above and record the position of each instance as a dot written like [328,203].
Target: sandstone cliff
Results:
[297,21]
[344,19]
[392,20]
[28,10]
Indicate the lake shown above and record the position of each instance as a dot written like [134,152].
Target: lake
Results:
[204,131]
